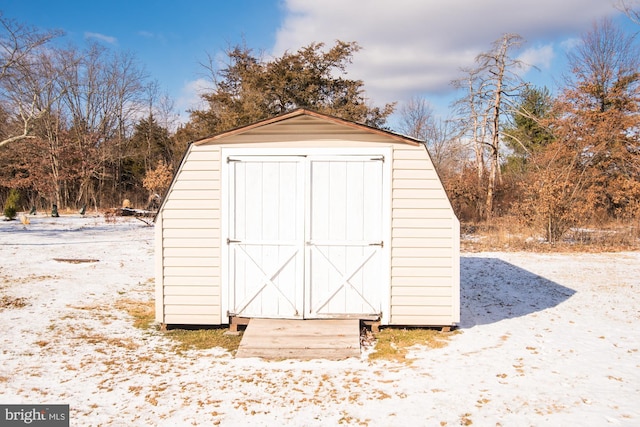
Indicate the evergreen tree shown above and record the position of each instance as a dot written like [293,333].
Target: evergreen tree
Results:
[149,145]
[11,204]
[250,89]
[527,131]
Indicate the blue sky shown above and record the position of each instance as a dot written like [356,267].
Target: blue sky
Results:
[410,47]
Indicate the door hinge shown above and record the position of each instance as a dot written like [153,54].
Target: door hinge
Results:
[380,243]
[229,241]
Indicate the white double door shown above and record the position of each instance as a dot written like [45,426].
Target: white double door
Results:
[306,236]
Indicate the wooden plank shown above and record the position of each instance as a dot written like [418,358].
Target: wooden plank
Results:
[200,155]
[192,261]
[207,167]
[411,153]
[422,233]
[192,233]
[201,184]
[419,311]
[199,175]
[418,217]
[186,205]
[420,282]
[211,318]
[190,281]
[192,214]
[195,193]
[418,193]
[416,164]
[204,244]
[333,339]
[426,251]
[192,310]
[425,229]
[191,252]
[426,272]
[435,261]
[408,184]
[410,242]
[422,291]
[418,174]
[191,300]
[427,302]
[421,320]
[190,224]
[437,203]
[185,272]
[193,290]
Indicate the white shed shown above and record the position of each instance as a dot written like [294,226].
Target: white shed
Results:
[307,216]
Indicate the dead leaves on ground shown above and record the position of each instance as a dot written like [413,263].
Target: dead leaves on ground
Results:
[10,302]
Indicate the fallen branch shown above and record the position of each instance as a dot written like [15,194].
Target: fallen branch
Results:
[150,224]
[76,260]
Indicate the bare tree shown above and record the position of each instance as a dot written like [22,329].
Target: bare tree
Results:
[49,126]
[489,87]
[606,61]
[474,114]
[103,98]
[631,8]
[416,118]
[439,135]
[502,82]
[448,151]
[21,55]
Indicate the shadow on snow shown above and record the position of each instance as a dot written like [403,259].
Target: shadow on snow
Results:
[492,290]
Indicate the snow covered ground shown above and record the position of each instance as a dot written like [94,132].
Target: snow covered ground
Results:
[547,340]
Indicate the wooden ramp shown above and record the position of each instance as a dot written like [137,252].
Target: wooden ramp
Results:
[276,339]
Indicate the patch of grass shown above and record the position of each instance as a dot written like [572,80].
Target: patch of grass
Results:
[28,279]
[12,302]
[202,339]
[185,339]
[142,312]
[394,343]
[508,234]
[465,419]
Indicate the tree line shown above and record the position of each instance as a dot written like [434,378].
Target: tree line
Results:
[88,127]
[514,151]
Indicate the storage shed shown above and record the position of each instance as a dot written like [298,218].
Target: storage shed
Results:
[307,216]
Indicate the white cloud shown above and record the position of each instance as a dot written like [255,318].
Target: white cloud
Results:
[101,37]
[189,98]
[570,44]
[540,57]
[151,36]
[146,34]
[418,47]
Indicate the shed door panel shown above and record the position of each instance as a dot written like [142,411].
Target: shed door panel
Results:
[266,251]
[305,236]
[345,234]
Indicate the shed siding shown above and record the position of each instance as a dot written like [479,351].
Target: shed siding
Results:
[423,255]
[424,231]
[191,241]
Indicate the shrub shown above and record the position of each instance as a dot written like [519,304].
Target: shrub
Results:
[158,180]
[11,204]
